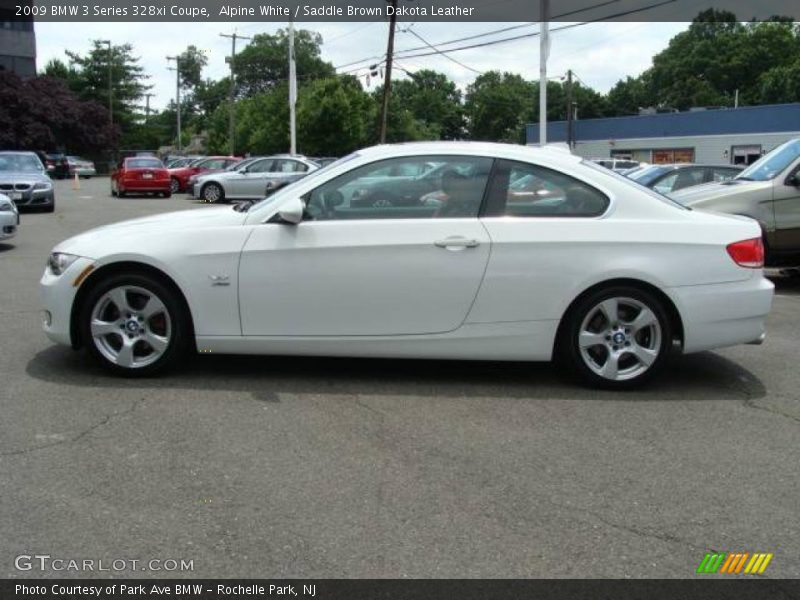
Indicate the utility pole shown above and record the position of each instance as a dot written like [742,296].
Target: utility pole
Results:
[544,51]
[232,91]
[570,135]
[292,93]
[110,84]
[387,78]
[147,107]
[177,70]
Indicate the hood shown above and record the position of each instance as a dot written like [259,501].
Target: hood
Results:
[711,191]
[22,176]
[133,234]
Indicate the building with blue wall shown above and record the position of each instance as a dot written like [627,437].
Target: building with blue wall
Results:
[726,135]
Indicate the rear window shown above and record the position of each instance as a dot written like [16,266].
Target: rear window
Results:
[144,163]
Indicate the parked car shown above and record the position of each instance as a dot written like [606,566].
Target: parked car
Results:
[57,165]
[24,180]
[142,175]
[9,218]
[767,191]
[179,177]
[666,179]
[323,161]
[603,280]
[617,164]
[81,167]
[250,181]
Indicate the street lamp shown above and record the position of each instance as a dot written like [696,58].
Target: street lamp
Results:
[110,87]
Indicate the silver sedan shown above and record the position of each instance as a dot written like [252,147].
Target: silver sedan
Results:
[251,181]
[9,218]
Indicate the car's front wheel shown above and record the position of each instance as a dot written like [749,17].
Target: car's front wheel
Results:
[174,185]
[213,193]
[134,325]
[617,338]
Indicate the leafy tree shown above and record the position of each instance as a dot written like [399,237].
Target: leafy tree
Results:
[263,64]
[334,116]
[780,84]
[192,62]
[499,105]
[128,80]
[432,100]
[41,113]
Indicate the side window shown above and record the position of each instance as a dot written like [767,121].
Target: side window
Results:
[723,174]
[300,167]
[260,166]
[682,178]
[527,190]
[452,189]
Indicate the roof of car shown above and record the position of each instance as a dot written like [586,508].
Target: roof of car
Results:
[490,148]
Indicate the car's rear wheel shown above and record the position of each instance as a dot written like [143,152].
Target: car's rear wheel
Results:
[212,193]
[134,325]
[167,194]
[174,185]
[617,338]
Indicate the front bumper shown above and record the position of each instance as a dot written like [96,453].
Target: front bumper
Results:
[9,222]
[32,198]
[724,314]
[57,295]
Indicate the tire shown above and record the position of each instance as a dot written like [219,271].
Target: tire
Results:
[212,193]
[174,185]
[51,208]
[113,192]
[616,338]
[166,194]
[133,325]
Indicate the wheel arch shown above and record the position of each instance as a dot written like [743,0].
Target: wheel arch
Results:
[672,310]
[115,268]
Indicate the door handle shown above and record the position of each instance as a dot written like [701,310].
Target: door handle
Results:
[457,242]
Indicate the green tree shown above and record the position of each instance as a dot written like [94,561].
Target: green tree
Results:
[263,64]
[498,106]
[128,80]
[432,100]
[192,62]
[334,117]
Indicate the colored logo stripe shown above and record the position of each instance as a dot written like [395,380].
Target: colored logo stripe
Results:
[734,563]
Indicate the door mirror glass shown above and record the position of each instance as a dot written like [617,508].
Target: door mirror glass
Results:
[292,211]
[794,179]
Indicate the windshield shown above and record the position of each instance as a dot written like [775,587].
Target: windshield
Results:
[636,184]
[143,163]
[20,162]
[313,175]
[773,164]
[647,175]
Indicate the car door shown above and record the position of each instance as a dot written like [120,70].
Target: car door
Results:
[538,244]
[786,204]
[368,271]
[252,182]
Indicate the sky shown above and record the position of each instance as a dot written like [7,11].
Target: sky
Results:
[600,54]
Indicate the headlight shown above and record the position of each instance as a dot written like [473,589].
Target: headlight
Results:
[43,186]
[8,207]
[58,262]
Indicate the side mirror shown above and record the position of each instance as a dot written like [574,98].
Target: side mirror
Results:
[242,171]
[794,180]
[292,211]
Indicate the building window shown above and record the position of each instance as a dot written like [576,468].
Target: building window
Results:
[745,155]
[673,155]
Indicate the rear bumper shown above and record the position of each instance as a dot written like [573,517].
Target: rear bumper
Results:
[146,186]
[724,314]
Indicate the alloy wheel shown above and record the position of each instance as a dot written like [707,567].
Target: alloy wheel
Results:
[131,327]
[212,193]
[620,339]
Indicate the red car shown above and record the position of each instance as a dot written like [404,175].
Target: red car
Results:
[143,175]
[179,178]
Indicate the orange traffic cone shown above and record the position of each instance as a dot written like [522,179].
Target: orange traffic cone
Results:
[76,183]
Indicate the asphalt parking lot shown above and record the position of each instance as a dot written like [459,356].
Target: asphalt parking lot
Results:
[300,467]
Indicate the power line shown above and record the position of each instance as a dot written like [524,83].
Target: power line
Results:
[450,58]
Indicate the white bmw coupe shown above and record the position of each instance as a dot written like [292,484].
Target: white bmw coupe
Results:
[428,250]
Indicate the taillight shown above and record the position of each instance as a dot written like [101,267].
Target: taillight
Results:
[748,253]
